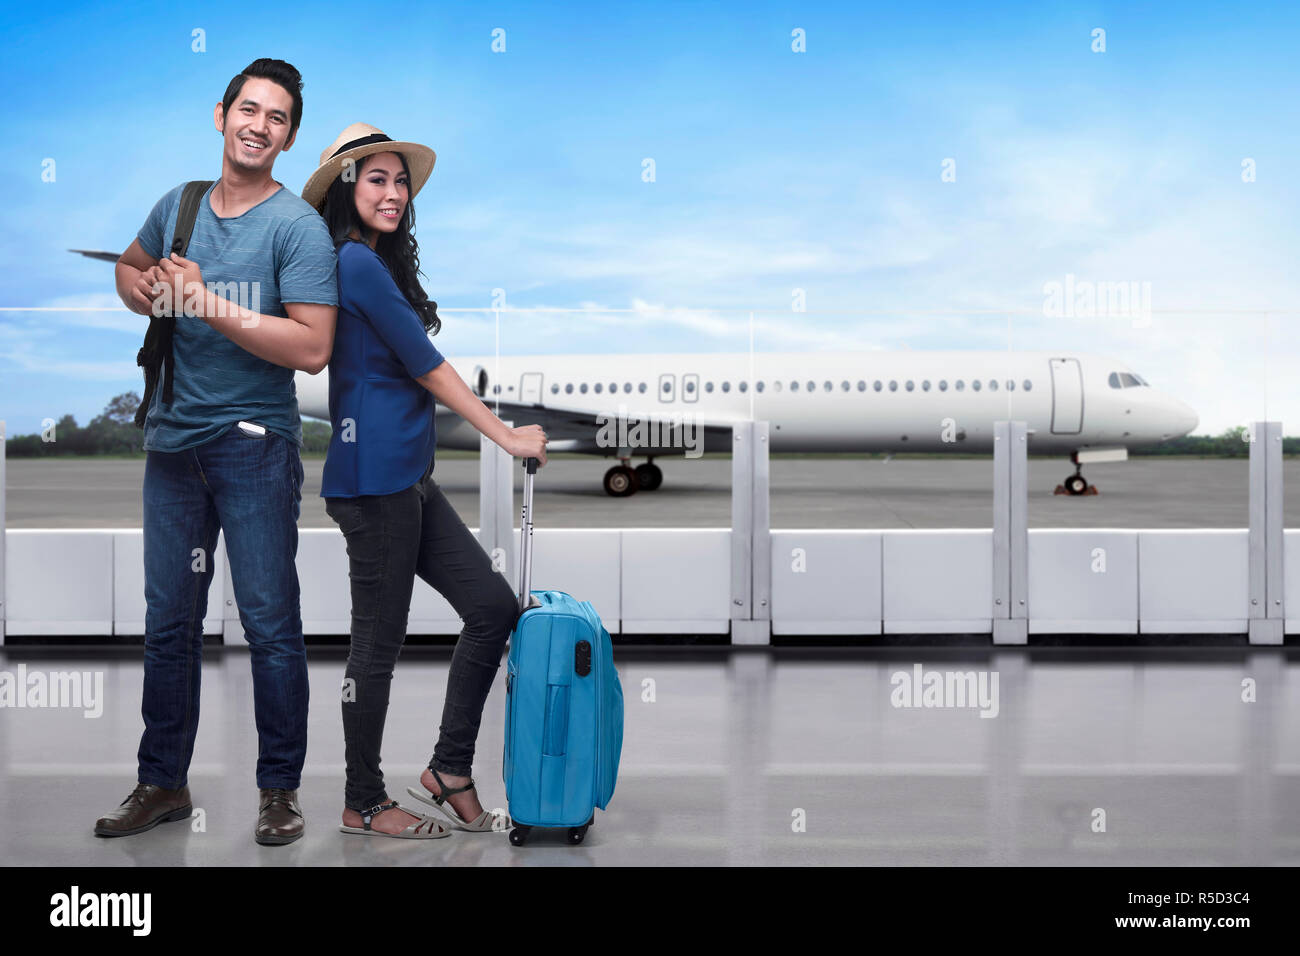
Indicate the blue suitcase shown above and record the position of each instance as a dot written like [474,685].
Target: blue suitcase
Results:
[564,705]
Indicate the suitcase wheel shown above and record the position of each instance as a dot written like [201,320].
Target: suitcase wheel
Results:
[518,835]
[576,834]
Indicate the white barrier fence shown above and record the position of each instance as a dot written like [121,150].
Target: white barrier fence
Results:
[673,581]
[751,582]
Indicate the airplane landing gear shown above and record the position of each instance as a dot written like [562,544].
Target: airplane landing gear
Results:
[621,481]
[1075,484]
[649,476]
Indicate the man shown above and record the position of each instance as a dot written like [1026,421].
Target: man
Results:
[223,454]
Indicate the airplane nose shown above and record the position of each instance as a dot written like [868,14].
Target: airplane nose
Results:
[1185,418]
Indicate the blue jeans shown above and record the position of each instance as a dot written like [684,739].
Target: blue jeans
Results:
[390,540]
[251,489]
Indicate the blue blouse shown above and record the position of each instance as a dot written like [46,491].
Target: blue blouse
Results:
[383,440]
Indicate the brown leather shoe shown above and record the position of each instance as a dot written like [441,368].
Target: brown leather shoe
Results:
[144,808]
[279,818]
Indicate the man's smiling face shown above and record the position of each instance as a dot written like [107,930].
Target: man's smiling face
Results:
[257,127]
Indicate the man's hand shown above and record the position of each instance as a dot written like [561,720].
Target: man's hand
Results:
[191,279]
[145,290]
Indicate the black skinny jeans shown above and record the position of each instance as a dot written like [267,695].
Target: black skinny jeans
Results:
[391,539]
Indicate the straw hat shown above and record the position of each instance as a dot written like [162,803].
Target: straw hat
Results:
[356,142]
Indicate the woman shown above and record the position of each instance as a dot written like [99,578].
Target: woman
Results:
[378,486]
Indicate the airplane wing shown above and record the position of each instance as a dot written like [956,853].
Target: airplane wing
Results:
[601,434]
[98,254]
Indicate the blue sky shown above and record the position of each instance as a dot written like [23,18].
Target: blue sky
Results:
[774,171]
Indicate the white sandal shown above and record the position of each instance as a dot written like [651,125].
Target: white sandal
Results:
[487,820]
[425,828]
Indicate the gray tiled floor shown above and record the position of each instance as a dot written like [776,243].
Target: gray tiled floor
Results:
[725,750]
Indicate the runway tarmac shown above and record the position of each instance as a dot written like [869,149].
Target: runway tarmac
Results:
[806,492]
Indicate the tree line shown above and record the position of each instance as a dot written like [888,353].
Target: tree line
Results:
[113,432]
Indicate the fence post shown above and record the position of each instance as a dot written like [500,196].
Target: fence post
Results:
[751,549]
[1266,617]
[1010,533]
[496,505]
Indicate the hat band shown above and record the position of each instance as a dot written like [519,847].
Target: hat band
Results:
[363,141]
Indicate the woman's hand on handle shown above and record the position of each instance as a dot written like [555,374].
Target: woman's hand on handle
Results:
[528,441]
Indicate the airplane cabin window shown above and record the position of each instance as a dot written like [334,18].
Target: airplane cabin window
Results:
[943,385]
[641,388]
[993,385]
[708,386]
[583,388]
[1011,385]
[812,386]
[910,385]
[862,386]
[975,385]
[598,388]
[568,389]
[960,385]
[794,386]
[844,385]
[1028,385]
[827,386]
[627,387]
[496,389]
[555,389]
[1112,381]
[893,385]
[690,387]
[668,387]
[758,386]
[925,385]
[726,386]
[743,386]
[877,385]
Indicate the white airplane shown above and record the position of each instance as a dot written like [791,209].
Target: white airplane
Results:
[1090,406]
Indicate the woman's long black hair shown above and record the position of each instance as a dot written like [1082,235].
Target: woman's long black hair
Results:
[398,249]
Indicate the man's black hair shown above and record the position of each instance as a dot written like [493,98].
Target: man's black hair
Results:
[277,71]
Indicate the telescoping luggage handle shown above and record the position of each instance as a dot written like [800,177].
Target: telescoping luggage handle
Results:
[526,598]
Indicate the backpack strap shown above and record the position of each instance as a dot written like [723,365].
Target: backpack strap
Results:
[156,354]
[187,213]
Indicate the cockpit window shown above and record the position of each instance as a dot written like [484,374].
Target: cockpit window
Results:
[1114,380]
[1125,380]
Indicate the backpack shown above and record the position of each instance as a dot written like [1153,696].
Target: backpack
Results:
[158,339]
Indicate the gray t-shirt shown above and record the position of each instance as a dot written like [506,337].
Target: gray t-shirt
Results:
[279,251]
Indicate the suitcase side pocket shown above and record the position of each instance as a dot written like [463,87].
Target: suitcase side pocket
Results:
[556,732]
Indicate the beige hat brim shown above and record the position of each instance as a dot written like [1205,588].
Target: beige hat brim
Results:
[419,159]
